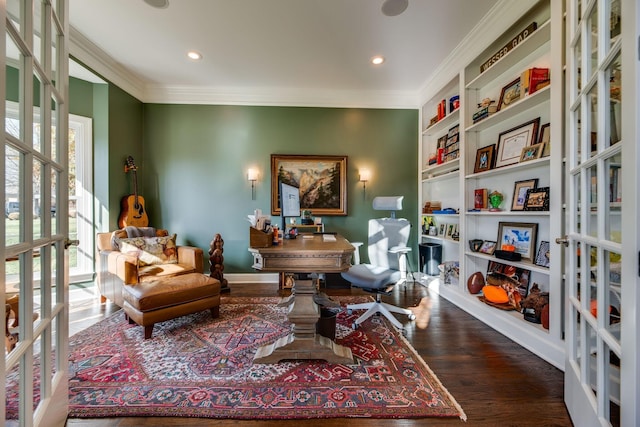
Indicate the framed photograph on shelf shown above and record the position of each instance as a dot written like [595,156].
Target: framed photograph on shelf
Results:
[545,138]
[509,94]
[531,152]
[537,199]
[450,229]
[542,258]
[488,247]
[484,158]
[520,189]
[512,141]
[308,173]
[443,229]
[522,235]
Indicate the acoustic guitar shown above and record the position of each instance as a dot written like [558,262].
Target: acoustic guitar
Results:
[133,212]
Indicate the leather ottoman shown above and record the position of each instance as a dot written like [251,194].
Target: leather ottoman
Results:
[147,303]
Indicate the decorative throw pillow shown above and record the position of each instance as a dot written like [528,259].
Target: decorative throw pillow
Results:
[151,250]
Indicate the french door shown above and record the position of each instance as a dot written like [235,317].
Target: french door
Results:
[34,234]
[602,368]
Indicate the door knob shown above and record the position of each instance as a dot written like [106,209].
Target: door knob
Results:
[562,241]
[68,242]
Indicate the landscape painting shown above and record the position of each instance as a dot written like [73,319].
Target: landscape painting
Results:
[322,181]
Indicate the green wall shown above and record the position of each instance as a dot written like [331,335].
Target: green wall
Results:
[195,158]
[192,162]
[117,133]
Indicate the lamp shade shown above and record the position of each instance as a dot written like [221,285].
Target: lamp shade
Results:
[365,175]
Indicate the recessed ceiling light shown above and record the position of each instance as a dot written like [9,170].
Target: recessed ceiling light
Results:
[377,60]
[196,56]
[160,4]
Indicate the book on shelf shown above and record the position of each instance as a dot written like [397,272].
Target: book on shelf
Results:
[442,109]
[433,159]
[533,79]
[480,198]
[484,112]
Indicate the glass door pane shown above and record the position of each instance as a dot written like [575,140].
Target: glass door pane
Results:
[594,203]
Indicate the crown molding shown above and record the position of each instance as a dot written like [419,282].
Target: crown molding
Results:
[279,97]
[91,56]
[495,22]
[492,25]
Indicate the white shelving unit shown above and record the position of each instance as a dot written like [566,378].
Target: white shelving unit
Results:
[453,183]
[441,182]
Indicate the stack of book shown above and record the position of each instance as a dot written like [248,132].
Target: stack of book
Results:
[533,79]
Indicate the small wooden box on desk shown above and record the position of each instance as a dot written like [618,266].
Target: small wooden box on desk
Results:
[260,239]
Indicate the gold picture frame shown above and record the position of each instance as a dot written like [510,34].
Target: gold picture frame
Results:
[322,181]
[532,152]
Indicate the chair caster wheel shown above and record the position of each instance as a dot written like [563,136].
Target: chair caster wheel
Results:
[354,326]
[349,311]
[412,316]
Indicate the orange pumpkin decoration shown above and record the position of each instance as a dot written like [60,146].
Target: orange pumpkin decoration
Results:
[495,294]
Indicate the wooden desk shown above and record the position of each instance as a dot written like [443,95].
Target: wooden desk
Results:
[304,255]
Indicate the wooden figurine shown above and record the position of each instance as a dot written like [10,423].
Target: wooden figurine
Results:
[216,261]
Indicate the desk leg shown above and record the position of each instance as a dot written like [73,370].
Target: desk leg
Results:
[303,343]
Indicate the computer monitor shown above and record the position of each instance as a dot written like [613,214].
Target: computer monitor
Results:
[289,203]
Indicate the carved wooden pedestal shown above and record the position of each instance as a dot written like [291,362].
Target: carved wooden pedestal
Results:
[303,342]
[304,255]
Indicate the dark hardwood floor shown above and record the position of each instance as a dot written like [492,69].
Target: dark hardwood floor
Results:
[497,382]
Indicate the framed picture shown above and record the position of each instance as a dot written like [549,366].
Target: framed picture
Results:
[545,138]
[517,275]
[484,158]
[522,235]
[532,152]
[510,94]
[443,229]
[450,228]
[442,141]
[542,258]
[322,181]
[520,193]
[511,142]
[537,199]
[488,247]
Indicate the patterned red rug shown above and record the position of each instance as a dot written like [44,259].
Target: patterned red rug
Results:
[195,366]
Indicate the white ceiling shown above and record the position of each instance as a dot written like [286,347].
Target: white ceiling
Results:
[264,47]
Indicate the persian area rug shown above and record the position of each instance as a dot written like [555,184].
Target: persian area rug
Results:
[196,366]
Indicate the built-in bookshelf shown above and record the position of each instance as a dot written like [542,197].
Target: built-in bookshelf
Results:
[452,183]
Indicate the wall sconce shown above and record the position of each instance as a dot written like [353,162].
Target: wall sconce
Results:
[252,175]
[365,175]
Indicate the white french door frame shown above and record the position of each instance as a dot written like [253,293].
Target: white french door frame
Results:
[602,231]
[35,34]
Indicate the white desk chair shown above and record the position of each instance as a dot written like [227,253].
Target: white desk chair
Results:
[387,248]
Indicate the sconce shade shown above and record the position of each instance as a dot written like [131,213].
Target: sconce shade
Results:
[365,175]
[252,175]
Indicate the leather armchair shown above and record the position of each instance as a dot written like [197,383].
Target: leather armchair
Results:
[115,269]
